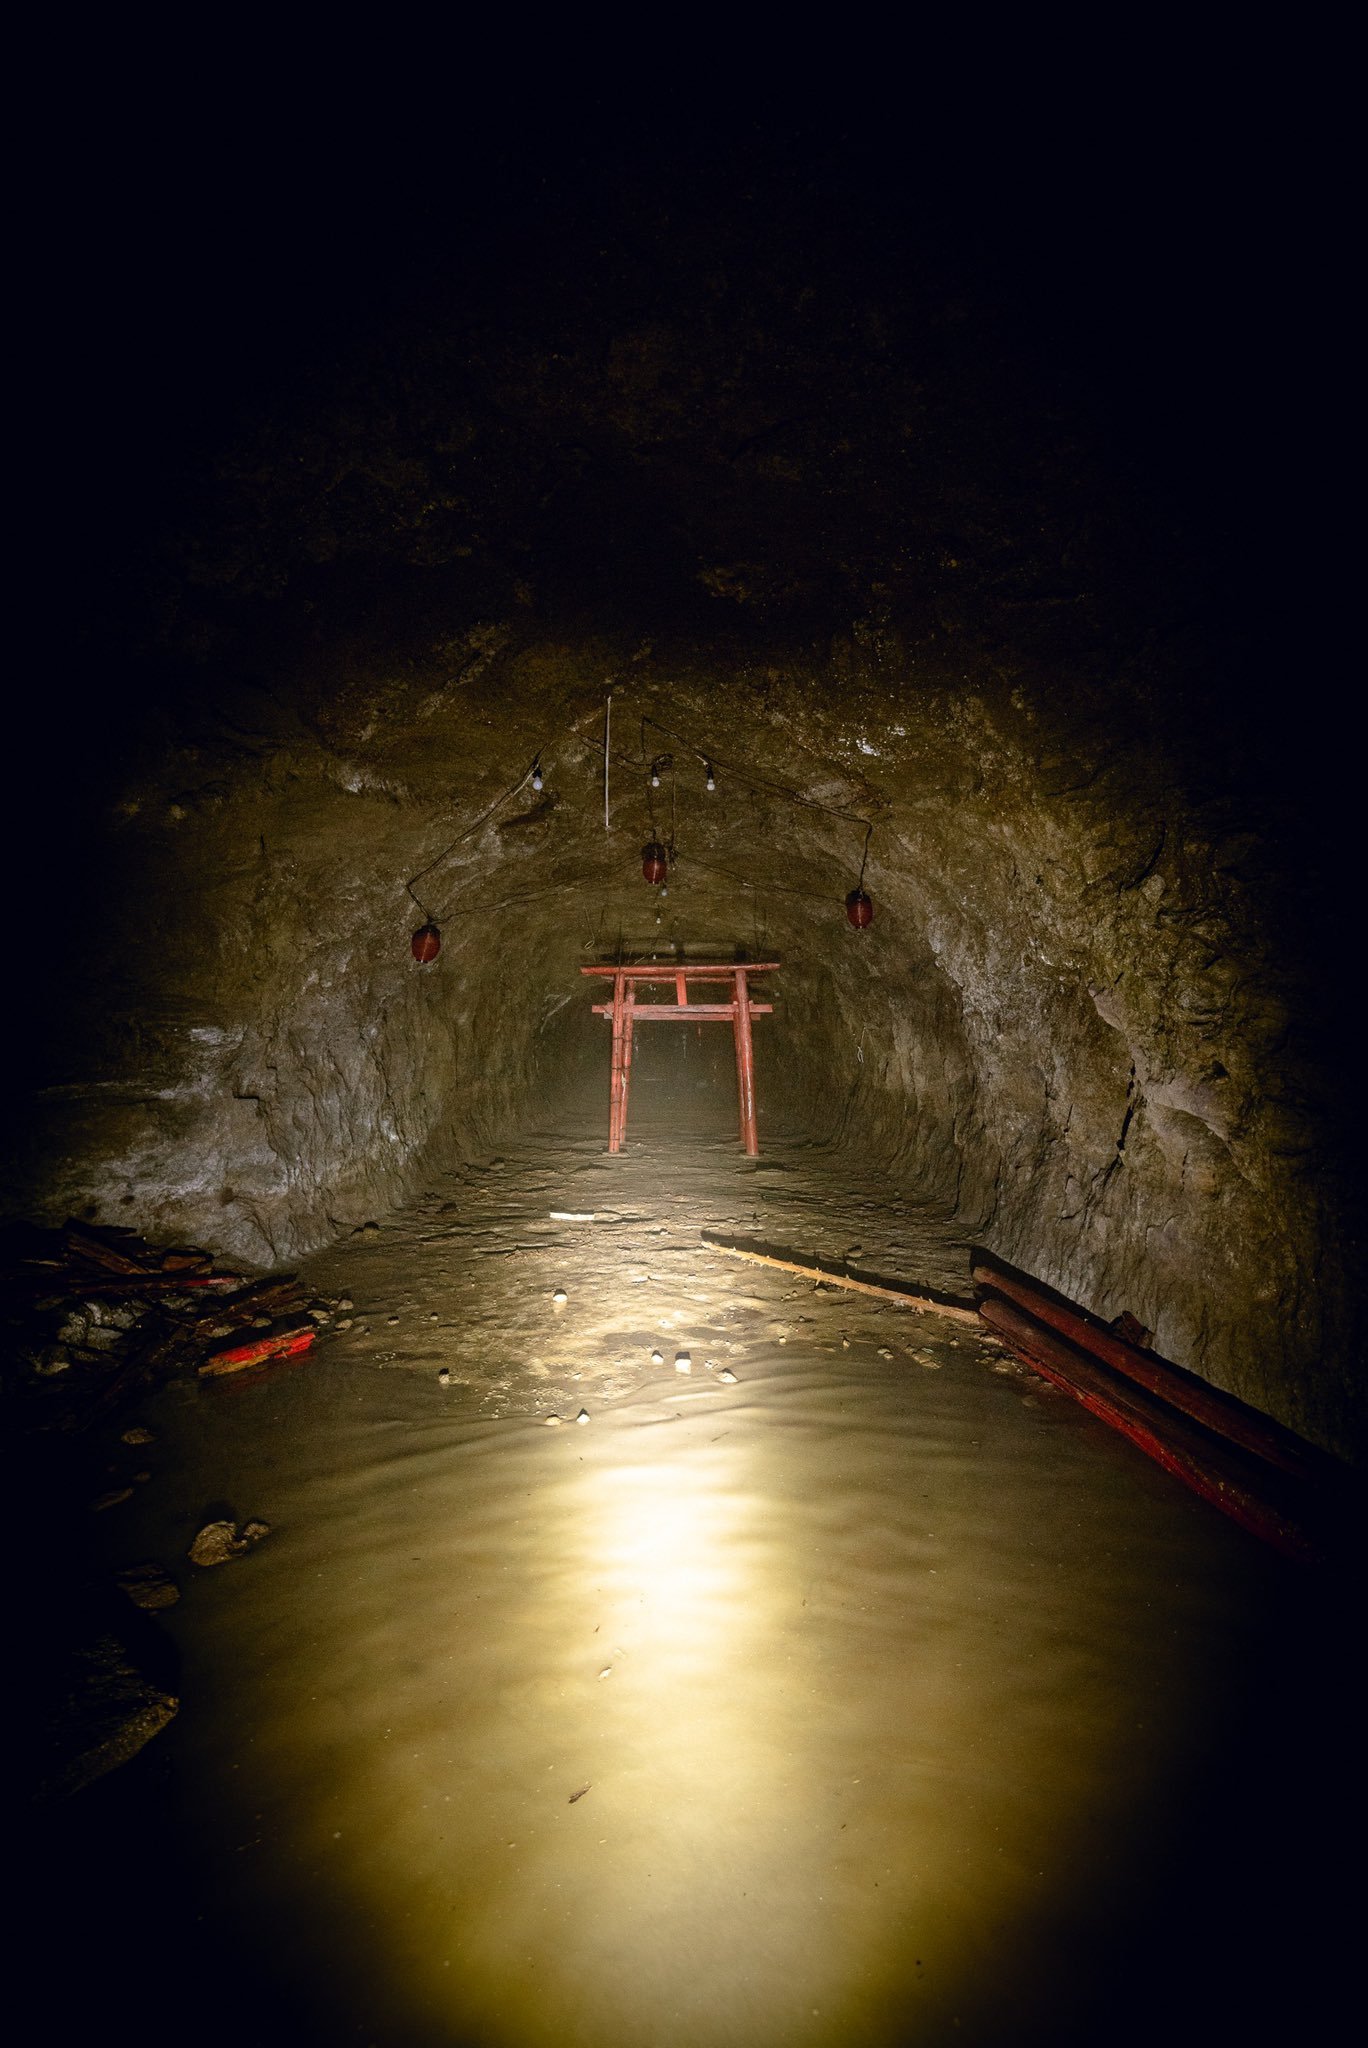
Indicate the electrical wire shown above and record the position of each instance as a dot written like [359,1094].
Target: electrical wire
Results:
[748,779]
[505,796]
[704,753]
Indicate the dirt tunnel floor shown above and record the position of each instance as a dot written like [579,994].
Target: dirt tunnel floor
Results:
[872,1694]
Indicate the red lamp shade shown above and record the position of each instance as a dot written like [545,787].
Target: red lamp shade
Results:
[859,909]
[426,943]
[654,865]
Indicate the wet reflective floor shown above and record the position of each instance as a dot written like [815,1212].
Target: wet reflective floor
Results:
[870,1693]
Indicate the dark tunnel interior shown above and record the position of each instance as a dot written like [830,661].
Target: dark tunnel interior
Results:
[419,540]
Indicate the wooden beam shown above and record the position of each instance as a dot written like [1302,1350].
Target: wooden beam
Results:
[1232,1419]
[745,1064]
[712,972]
[615,1072]
[689,1013]
[837,1274]
[1265,1502]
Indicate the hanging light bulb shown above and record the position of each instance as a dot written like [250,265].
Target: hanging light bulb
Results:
[859,909]
[425,944]
[654,862]
[710,782]
[537,773]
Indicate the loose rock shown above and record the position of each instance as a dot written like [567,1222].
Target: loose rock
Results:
[148,1586]
[683,1362]
[218,1541]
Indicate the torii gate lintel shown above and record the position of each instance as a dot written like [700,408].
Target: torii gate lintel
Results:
[626,1012]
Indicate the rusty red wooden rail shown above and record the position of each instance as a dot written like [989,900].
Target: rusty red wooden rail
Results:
[1255,1495]
[626,1013]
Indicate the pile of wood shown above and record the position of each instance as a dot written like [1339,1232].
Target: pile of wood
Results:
[1264,1477]
[98,1315]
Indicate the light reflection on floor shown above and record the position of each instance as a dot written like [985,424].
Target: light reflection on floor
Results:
[823,1769]
[835,1706]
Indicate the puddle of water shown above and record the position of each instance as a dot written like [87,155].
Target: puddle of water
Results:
[839,1705]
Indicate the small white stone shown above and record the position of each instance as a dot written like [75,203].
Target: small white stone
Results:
[727,1376]
[434,1317]
[657,1358]
[683,1362]
[710,1365]
[560,1297]
[444,1378]
[552,1421]
[583,1415]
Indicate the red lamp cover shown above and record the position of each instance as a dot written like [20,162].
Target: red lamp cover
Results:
[654,864]
[426,943]
[859,909]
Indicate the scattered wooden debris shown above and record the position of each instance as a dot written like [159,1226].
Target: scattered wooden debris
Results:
[100,1315]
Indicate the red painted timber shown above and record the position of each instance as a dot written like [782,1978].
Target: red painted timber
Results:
[711,972]
[628,1036]
[615,1074]
[745,1064]
[288,1345]
[688,1013]
[1232,1419]
[1246,1491]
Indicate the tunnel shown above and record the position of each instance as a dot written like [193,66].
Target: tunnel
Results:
[682,552]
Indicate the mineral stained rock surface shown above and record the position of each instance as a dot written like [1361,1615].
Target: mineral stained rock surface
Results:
[826,532]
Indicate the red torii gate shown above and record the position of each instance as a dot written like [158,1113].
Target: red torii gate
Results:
[626,1012]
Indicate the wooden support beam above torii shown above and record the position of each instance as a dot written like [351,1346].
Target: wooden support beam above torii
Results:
[626,1012]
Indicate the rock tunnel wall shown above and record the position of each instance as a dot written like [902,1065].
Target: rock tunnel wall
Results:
[977,549]
[1064,1024]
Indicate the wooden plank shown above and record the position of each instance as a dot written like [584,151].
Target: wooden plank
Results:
[689,1013]
[1264,1502]
[288,1344]
[1234,1420]
[99,1253]
[628,1041]
[745,1064]
[839,1274]
[717,971]
[614,1010]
